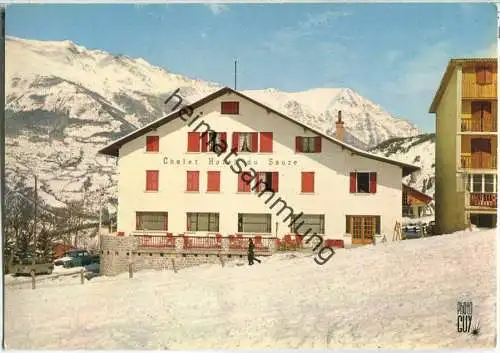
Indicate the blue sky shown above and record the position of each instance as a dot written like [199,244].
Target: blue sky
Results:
[392,54]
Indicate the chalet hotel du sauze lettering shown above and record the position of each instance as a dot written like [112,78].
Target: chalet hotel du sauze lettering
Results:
[215,161]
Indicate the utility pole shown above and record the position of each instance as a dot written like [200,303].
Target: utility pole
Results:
[36,205]
[235,72]
[100,220]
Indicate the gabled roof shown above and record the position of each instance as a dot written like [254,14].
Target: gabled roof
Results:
[452,64]
[424,195]
[113,148]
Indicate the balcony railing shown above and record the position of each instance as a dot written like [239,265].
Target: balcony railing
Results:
[474,125]
[485,200]
[206,244]
[482,161]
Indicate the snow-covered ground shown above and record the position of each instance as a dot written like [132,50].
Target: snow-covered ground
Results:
[396,295]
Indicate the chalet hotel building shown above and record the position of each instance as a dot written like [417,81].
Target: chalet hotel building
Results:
[173,180]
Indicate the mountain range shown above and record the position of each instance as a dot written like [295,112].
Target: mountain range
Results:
[64,102]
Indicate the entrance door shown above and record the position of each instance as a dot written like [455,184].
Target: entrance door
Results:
[362,228]
[481,153]
[483,220]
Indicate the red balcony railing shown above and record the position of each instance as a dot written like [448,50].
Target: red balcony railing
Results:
[217,243]
[479,161]
[486,200]
[156,241]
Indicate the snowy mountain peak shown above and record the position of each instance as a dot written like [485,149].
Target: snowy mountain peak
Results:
[64,102]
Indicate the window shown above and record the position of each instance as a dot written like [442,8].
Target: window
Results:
[243,185]
[266,142]
[307,184]
[266,180]
[245,141]
[203,222]
[152,143]
[308,144]
[254,223]
[214,142]
[193,181]
[482,183]
[151,221]
[213,181]
[311,221]
[483,75]
[489,183]
[363,182]
[193,142]
[230,107]
[152,180]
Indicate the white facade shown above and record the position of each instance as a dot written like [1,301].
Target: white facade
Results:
[332,167]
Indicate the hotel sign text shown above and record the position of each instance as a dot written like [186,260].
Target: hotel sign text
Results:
[216,161]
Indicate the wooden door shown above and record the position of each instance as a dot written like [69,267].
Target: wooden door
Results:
[482,119]
[481,153]
[363,228]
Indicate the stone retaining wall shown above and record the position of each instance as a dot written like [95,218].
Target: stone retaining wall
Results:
[118,252]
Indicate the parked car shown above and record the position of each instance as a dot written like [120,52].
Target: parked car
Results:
[92,270]
[30,265]
[77,258]
[432,228]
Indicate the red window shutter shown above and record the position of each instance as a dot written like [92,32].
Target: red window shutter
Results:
[275,181]
[298,143]
[193,181]
[193,142]
[213,181]
[236,139]
[204,142]
[317,144]
[307,181]
[229,107]
[266,142]
[352,182]
[488,76]
[152,180]
[243,186]
[480,75]
[152,143]
[373,182]
[255,142]
[223,138]
[165,222]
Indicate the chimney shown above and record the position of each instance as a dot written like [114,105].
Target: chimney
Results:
[339,128]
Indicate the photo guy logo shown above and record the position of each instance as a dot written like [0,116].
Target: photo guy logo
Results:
[237,165]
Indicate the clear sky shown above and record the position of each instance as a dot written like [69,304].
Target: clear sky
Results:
[392,54]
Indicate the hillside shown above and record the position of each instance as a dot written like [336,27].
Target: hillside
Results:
[418,150]
[65,102]
[393,295]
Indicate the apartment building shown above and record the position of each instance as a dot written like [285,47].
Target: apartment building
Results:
[465,105]
[174,179]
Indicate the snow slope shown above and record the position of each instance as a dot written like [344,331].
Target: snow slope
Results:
[64,102]
[399,295]
[418,150]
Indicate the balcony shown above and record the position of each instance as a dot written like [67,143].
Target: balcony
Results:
[478,161]
[483,200]
[475,125]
